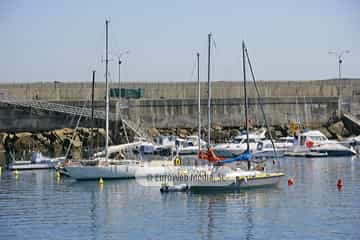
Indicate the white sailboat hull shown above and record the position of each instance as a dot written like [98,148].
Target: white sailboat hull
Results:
[105,172]
[240,183]
[262,182]
[114,171]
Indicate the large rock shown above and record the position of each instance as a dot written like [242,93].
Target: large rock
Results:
[234,132]
[153,132]
[77,142]
[68,131]
[2,137]
[219,136]
[59,133]
[338,129]
[25,142]
[58,150]
[99,138]
[217,127]
[183,133]
[84,132]
[23,134]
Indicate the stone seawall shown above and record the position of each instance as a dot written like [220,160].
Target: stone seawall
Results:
[309,111]
[61,91]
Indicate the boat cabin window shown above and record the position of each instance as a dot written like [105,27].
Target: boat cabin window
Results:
[286,140]
[318,138]
[268,145]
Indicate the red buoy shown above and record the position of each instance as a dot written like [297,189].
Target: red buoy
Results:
[291,181]
[340,183]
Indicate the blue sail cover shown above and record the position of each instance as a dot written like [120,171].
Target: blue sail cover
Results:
[245,156]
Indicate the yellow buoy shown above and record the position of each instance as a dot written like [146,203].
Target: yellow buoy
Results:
[177,161]
[16,172]
[101,181]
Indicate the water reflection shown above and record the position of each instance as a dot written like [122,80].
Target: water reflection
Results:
[39,206]
[217,207]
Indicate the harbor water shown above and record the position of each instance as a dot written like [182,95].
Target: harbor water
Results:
[38,205]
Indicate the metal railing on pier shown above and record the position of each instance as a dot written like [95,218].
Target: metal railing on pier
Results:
[68,109]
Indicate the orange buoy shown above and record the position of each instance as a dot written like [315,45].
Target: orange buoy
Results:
[340,183]
[291,181]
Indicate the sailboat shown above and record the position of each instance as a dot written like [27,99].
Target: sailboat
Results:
[222,175]
[106,168]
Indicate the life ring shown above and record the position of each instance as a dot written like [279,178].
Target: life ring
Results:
[177,161]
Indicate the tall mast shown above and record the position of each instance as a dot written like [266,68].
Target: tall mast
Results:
[107,92]
[245,103]
[199,100]
[209,90]
[92,109]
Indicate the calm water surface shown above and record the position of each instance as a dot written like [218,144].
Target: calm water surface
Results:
[37,206]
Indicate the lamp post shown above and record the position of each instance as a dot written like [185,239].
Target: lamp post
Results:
[339,55]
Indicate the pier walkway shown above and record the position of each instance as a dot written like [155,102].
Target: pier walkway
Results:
[71,110]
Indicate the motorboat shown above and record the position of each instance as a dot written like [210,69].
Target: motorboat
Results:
[334,150]
[239,143]
[37,161]
[284,143]
[162,145]
[265,149]
[170,145]
[277,148]
[189,145]
[316,144]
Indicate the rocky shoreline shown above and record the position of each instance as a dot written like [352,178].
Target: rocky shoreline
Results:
[334,129]
[53,143]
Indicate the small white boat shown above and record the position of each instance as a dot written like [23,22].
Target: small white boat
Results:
[163,146]
[37,161]
[265,149]
[189,145]
[316,144]
[239,143]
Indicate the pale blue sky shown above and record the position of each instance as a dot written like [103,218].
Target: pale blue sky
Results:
[44,40]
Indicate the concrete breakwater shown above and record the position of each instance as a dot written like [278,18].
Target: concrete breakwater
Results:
[311,112]
[174,105]
[67,91]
